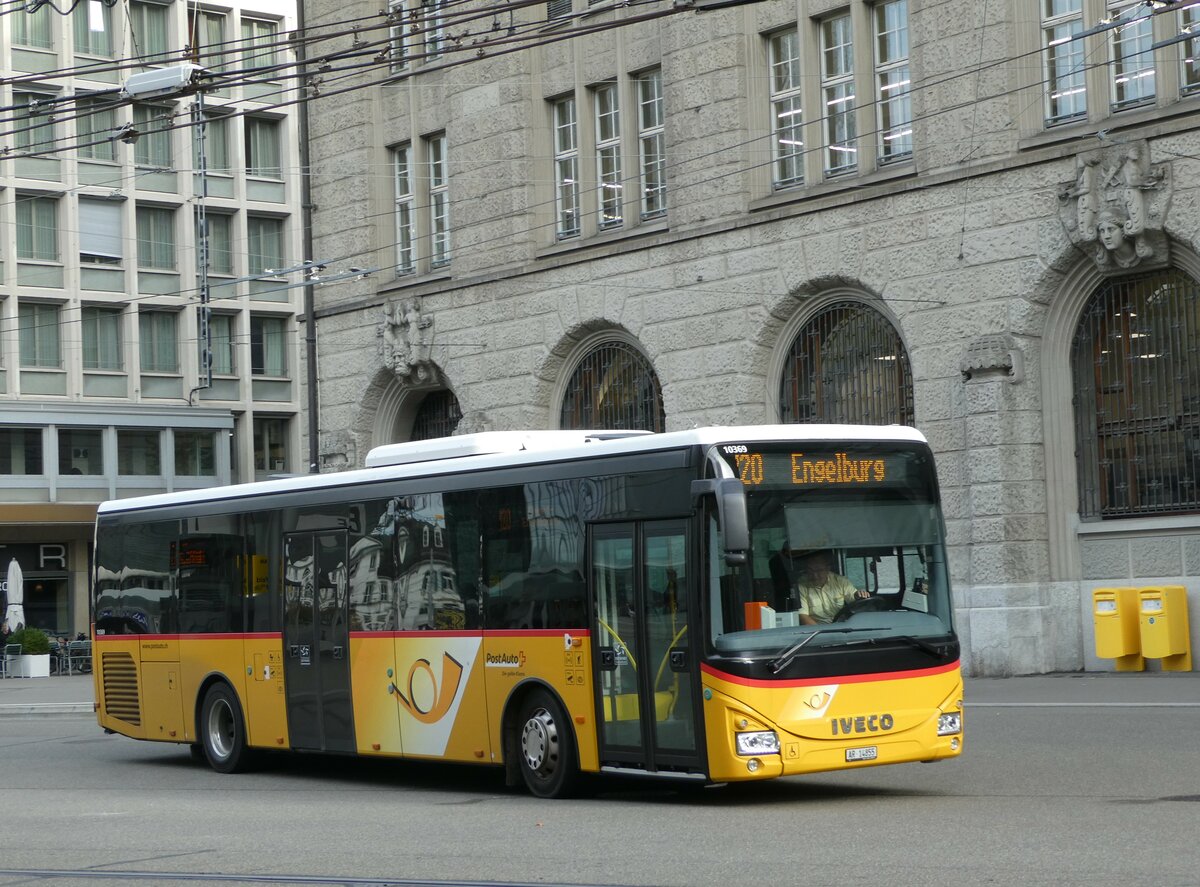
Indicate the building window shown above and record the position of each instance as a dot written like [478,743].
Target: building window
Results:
[20,450]
[95,126]
[100,237]
[220,242]
[566,168]
[613,387]
[439,200]
[837,95]
[268,346]
[787,116]
[153,147]
[1131,58]
[92,26]
[206,39]
[652,152]
[1065,70]
[264,245]
[433,13]
[138,451]
[847,365]
[148,31]
[101,330]
[220,331]
[216,144]
[32,28]
[556,9]
[195,454]
[1189,23]
[156,238]
[33,127]
[438,416]
[80,451]
[608,155]
[37,228]
[892,84]
[258,42]
[262,148]
[398,27]
[406,217]
[38,331]
[270,445]
[159,341]
[1136,374]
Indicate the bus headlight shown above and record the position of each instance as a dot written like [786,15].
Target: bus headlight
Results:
[949,723]
[763,742]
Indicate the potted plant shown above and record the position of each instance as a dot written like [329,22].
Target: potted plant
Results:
[34,660]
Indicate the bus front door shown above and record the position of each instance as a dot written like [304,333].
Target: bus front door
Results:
[644,663]
[316,641]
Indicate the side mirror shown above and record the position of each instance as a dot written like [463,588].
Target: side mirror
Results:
[734,520]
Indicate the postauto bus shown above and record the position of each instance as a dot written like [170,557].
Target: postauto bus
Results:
[555,603]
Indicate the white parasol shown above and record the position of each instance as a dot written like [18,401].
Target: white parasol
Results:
[14,618]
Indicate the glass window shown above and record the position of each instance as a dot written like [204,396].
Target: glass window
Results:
[398,26]
[153,147]
[892,81]
[556,9]
[787,117]
[156,238]
[434,11]
[32,28]
[159,341]
[1065,66]
[259,40]
[652,151]
[221,331]
[92,26]
[1132,65]
[206,37]
[837,95]
[847,365]
[268,351]
[439,201]
[270,445]
[406,219]
[195,453]
[566,168]
[262,148]
[20,450]
[37,228]
[95,126]
[1190,24]
[1136,374]
[148,31]
[437,416]
[80,451]
[216,144]
[608,155]
[100,240]
[138,451]
[612,387]
[220,242]
[33,127]
[101,329]
[38,330]
[264,244]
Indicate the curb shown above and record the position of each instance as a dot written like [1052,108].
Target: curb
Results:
[46,709]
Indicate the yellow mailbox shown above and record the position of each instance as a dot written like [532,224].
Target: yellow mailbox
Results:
[1163,619]
[1115,617]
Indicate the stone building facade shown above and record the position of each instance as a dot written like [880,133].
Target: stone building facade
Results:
[983,190]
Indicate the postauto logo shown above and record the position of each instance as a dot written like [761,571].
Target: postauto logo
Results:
[505,660]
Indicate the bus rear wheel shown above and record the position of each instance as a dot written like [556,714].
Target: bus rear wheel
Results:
[546,747]
[223,731]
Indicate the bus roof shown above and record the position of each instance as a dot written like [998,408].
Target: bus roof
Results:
[500,449]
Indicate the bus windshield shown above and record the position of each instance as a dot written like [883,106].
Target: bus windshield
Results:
[846,549]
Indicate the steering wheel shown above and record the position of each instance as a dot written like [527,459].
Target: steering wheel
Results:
[871,604]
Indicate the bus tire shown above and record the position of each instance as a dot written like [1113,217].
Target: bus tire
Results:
[546,747]
[223,730]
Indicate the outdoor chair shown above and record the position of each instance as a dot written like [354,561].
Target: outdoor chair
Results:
[79,657]
[10,650]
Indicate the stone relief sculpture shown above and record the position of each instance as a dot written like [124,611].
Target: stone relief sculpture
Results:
[406,341]
[1116,207]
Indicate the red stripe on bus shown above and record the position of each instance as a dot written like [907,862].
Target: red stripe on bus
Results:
[215,636]
[820,682]
[477,633]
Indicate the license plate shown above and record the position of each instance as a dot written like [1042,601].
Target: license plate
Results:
[869,753]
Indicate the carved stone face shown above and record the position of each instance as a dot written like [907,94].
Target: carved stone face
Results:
[1111,233]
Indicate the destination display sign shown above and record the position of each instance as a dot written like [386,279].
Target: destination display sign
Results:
[846,467]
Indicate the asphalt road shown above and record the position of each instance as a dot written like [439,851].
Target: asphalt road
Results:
[1072,780]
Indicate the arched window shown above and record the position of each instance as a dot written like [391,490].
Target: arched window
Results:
[437,416]
[847,364]
[613,387]
[1135,364]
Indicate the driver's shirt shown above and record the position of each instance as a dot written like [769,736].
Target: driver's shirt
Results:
[823,602]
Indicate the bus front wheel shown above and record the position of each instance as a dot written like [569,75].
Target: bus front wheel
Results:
[223,730]
[546,747]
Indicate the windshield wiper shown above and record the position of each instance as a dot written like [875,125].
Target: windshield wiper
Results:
[785,658]
[917,643]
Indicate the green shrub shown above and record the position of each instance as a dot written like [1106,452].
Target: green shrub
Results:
[32,640]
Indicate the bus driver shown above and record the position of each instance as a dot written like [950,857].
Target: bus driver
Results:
[821,592]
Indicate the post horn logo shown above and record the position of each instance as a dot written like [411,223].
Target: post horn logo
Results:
[443,696]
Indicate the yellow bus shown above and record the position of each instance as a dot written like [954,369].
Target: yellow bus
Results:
[555,603]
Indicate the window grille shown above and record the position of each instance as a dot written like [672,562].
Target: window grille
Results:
[1135,365]
[613,387]
[847,365]
[438,416]
[556,9]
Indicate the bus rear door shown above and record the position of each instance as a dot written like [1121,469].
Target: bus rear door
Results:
[643,656]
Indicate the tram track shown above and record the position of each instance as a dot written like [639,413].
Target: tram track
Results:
[127,876]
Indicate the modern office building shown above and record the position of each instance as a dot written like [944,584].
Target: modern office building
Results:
[103,388]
